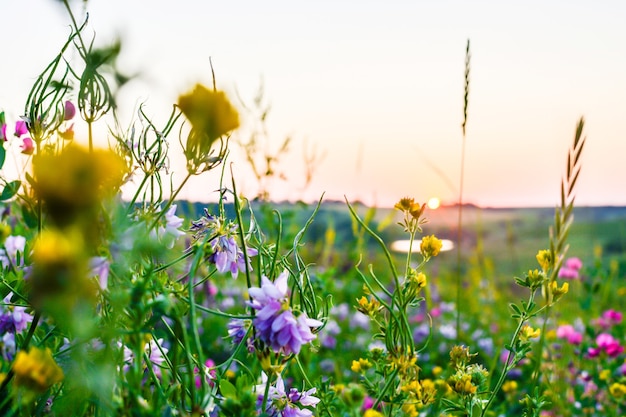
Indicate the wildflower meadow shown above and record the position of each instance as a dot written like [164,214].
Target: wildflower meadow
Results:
[151,306]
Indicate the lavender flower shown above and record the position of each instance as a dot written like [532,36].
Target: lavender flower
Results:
[275,322]
[281,403]
[13,319]
[99,267]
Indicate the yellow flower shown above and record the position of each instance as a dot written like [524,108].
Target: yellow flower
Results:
[36,370]
[544,257]
[430,246]
[361,365]
[368,307]
[76,179]
[407,204]
[558,292]
[617,390]
[410,410]
[418,279]
[509,386]
[370,412]
[528,332]
[605,374]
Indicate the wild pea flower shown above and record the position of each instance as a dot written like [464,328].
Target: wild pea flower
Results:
[27,146]
[608,344]
[21,128]
[225,253]
[281,403]
[568,333]
[12,246]
[275,322]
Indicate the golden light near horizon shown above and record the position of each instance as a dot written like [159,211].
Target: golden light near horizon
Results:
[433,203]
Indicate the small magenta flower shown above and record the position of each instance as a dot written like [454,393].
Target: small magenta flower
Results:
[3,127]
[608,319]
[275,322]
[27,146]
[608,344]
[21,128]
[69,110]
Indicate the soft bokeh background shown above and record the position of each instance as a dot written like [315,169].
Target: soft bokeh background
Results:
[374,86]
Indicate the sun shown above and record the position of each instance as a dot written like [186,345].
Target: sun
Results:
[433,203]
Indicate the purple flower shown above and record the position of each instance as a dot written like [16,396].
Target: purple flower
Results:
[8,255]
[99,267]
[275,323]
[13,319]
[225,252]
[281,403]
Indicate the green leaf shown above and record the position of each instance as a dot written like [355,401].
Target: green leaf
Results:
[3,155]
[227,389]
[10,189]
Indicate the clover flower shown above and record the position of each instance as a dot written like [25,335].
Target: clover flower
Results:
[281,403]
[275,322]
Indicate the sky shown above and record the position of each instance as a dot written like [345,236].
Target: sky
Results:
[373,89]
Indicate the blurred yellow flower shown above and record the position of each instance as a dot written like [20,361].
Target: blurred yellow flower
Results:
[76,179]
[211,116]
[370,412]
[36,370]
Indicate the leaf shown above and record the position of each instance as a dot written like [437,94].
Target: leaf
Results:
[3,155]
[10,189]
[227,389]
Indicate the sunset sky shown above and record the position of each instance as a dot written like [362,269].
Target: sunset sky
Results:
[375,87]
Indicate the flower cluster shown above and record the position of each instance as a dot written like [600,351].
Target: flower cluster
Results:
[13,320]
[275,322]
[571,269]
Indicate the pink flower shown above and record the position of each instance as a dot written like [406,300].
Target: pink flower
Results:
[573,263]
[567,332]
[27,146]
[20,128]
[69,110]
[607,344]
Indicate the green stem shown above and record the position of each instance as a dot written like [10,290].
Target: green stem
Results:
[170,201]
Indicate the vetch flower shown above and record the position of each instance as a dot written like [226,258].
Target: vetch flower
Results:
[99,267]
[281,403]
[13,319]
[275,322]
[225,253]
